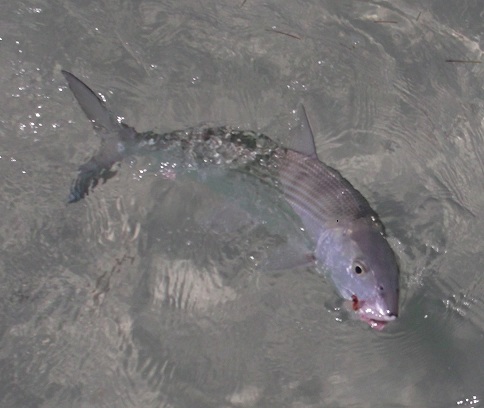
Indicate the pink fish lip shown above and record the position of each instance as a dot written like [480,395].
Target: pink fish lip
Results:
[376,318]
[377,324]
[371,311]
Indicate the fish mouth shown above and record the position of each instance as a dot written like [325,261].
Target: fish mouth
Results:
[376,316]
[374,312]
[379,323]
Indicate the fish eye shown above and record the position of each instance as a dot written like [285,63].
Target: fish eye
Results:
[359,268]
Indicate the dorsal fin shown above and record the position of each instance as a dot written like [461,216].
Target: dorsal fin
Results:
[301,136]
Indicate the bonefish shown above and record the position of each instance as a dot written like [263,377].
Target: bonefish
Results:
[348,237]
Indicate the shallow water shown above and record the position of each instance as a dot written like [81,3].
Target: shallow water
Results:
[143,296]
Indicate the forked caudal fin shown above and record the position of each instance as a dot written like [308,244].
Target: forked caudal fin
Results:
[118,139]
[115,139]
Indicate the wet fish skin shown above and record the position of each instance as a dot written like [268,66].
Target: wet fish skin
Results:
[349,239]
[348,235]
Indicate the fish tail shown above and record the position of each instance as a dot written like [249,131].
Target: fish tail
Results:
[116,139]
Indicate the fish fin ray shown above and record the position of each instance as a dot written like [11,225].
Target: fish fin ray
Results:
[88,178]
[289,256]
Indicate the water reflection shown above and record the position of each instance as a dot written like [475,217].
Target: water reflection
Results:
[144,295]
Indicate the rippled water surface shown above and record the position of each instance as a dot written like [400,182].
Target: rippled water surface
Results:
[149,293]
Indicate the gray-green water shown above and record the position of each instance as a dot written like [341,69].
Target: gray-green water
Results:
[145,295]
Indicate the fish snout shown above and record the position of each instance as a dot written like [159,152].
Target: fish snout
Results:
[386,303]
[386,311]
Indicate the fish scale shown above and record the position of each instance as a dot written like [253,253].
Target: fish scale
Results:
[321,190]
[301,178]
[213,145]
[348,238]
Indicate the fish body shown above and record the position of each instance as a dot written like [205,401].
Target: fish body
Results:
[349,238]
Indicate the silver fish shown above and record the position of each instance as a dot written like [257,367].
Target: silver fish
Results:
[349,238]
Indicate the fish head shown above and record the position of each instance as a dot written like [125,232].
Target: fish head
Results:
[365,272]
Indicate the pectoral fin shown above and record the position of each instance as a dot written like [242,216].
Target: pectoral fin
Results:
[288,256]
